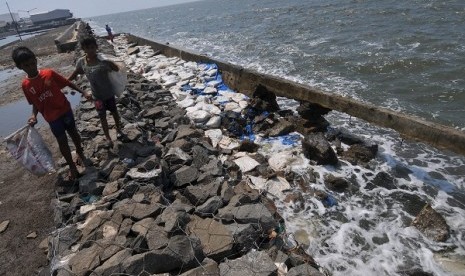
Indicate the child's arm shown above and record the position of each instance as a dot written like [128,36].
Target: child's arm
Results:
[87,95]
[74,74]
[71,77]
[33,119]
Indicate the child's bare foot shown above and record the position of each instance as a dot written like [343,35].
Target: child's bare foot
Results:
[73,175]
[108,143]
[119,134]
[83,161]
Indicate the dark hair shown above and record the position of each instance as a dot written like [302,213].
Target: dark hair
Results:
[87,41]
[22,54]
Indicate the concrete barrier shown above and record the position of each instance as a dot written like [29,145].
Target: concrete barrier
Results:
[246,81]
[68,40]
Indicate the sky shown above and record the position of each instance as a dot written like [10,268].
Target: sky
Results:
[83,8]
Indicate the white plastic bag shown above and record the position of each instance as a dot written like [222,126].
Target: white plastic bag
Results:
[27,146]
[118,79]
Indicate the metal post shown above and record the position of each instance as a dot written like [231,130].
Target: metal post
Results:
[14,22]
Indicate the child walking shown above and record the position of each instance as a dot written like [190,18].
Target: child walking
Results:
[96,71]
[42,89]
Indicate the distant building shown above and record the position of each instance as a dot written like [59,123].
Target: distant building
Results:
[51,16]
[7,17]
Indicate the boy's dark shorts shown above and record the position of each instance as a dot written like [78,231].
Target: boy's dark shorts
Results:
[103,106]
[62,124]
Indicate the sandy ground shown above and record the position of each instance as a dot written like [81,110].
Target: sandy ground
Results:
[24,198]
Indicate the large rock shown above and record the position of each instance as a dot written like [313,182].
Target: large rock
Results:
[246,237]
[155,235]
[250,213]
[360,153]
[282,127]
[432,224]
[184,176]
[217,240]
[208,267]
[113,265]
[198,194]
[181,253]
[315,147]
[175,220]
[85,260]
[337,184]
[311,111]
[304,269]
[138,211]
[210,207]
[256,263]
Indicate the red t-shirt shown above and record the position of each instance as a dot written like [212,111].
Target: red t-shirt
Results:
[44,92]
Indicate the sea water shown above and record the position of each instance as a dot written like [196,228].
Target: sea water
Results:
[14,115]
[408,56]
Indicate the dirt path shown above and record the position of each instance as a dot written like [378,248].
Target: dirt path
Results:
[24,198]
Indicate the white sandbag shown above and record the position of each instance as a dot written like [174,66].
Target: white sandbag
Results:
[202,99]
[282,160]
[199,86]
[188,101]
[210,90]
[184,76]
[210,108]
[191,109]
[231,106]
[221,99]
[243,104]
[237,97]
[27,146]
[215,136]
[169,81]
[246,163]
[199,116]
[274,186]
[214,83]
[227,94]
[212,72]
[191,65]
[214,122]
[228,143]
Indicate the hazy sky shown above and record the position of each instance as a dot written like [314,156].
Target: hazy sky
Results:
[83,8]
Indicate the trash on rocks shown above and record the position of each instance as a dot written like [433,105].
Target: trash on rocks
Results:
[274,186]
[284,160]
[129,161]
[134,173]
[246,163]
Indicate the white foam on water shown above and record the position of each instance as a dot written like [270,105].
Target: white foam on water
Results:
[368,231]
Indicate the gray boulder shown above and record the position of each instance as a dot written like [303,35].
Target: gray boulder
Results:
[256,263]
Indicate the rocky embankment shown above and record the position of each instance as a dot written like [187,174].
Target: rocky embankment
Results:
[184,192]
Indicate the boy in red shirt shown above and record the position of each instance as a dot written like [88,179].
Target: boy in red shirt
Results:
[42,89]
